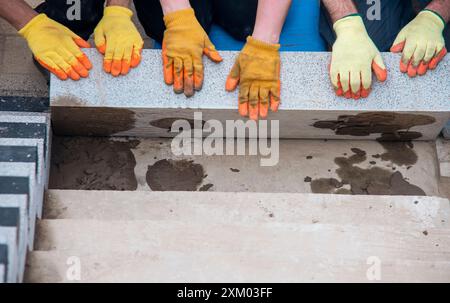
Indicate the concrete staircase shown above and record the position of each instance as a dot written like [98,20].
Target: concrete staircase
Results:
[108,236]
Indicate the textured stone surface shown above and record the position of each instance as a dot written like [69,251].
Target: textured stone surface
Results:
[305,80]
[307,96]
[8,236]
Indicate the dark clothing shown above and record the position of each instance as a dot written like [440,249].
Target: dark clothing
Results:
[395,14]
[237,17]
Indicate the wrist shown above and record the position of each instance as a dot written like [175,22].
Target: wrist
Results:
[116,10]
[257,44]
[171,6]
[434,17]
[350,24]
[266,35]
[23,22]
[31,24]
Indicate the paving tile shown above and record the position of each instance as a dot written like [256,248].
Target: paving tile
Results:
[105,105]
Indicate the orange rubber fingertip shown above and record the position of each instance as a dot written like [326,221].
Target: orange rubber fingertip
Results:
[135,60]
[231,84]
[82,43]
[102,49]
[85,61]
[116,67]
[412,71]
[263,110]
[107,64]
[365,92]
[274,104]
[403,67]
[198,82]
[398,47]
[253,112]
[243,109]
[348,94]
[125,67]
[73,74]
[422,69]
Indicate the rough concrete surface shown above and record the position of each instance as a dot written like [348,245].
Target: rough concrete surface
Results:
[304,166]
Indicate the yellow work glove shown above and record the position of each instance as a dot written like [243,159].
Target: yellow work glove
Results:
[119,40]
[353,59]
[422,43]
[57,48]
[257,71]
[183,47]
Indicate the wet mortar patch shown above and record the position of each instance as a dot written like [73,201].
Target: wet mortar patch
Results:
[91,121]
[86,163]
[391,126]
[370,181]
[166,123]
[175,175]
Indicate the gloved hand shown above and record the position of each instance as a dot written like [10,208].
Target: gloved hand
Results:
[57,48]
[257,71]
[184,44]
[119,40]
[353,59]
[422,43]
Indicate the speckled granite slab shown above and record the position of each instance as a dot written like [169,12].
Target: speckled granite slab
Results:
[139,104]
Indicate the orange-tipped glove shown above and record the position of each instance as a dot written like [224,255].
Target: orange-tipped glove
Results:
[257,71]
[57,48]
[119,40]
[422,43]
[353,59]
[184,44]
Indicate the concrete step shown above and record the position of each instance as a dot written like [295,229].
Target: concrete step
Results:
[220,267]
[248,208]
[222,249]
[401,108]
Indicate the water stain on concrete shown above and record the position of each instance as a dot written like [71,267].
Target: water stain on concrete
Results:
[175,175]
[71,117]
[399,153]
[391,126]
[86,163]
[166,123]
[370,181]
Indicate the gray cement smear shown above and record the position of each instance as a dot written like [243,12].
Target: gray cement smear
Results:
[176,175]
[92,164]
[389,125]
[364,181]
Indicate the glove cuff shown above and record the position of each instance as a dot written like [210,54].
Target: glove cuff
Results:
[433,17]
[352,23]
[179,16]
[261,45]
[36,20]
[117,10]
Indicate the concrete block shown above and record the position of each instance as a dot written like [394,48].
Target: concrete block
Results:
[2,273]
[8,249]
[20,202]
[22,180]
[22,154]
[142,105]
[10,221]
[3,262]
[24,104]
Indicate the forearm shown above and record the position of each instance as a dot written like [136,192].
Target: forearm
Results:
[270,19]
[170,6]
[339,8]
[124,3]
[17,12]
[442,7]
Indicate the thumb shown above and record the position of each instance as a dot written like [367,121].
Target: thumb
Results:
[399,43]
[100,40]
[210,51]
[379,68]
[233,77]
